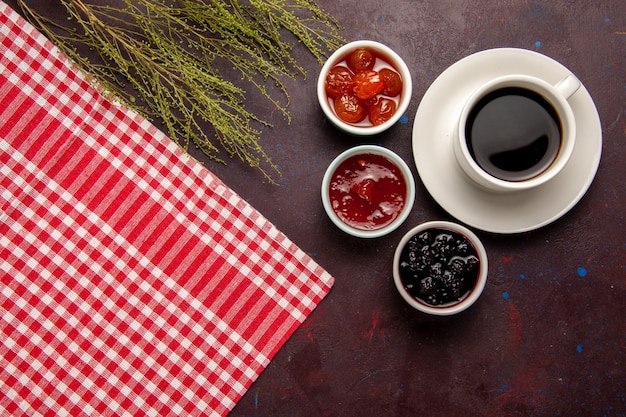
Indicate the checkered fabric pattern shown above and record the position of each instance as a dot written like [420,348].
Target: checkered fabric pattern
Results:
[133,281]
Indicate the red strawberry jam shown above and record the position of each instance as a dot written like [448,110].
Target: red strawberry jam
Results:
[368,191]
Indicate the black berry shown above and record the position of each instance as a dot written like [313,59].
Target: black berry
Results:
[428,286]
[439,266]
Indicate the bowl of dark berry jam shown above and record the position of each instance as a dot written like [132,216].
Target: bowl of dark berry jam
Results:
[368,191]
[440,268]
[364,88]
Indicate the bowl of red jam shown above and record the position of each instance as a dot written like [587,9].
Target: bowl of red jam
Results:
[440,268]
[364,88]
[368,191]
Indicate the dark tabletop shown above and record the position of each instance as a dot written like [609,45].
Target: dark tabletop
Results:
[548,335]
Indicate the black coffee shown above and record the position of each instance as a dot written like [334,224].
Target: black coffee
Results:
[513,134]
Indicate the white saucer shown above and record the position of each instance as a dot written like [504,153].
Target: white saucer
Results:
[455,192]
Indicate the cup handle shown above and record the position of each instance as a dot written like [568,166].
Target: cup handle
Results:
[568,86]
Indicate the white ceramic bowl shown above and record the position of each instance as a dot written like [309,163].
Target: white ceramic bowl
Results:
[453,307]
[396,160]
[390,57]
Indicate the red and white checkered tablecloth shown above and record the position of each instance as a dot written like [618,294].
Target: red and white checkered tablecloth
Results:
[133,281]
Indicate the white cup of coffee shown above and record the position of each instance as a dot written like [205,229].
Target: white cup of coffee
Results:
[516,132]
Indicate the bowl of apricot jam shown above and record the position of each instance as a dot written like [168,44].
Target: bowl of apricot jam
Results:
[364,88]
[368,191]
[440,268]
